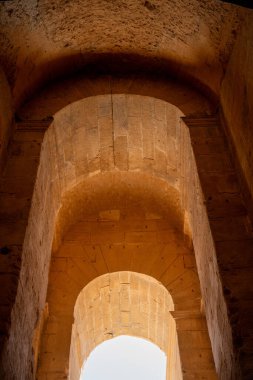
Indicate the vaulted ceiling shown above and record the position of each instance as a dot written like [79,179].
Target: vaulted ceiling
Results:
[43,39]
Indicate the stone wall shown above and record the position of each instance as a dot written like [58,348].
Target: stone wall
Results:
[19,263]
[237,101]
[195,204]
[6,117]
[223,242]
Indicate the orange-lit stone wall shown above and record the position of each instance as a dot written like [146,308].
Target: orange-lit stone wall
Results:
[83,141]
[223,241]
[128,146]
[92,156]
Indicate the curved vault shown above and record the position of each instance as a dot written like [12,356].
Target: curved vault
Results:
[189,38]
[123,303]
[120,208]
[34,62]
[56,96]
[93,142]
[131,232]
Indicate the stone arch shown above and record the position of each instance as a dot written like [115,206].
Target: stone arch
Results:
[214,214]
[124,230]
[54,97]
[111,134]
[196,46]
[123,303]
[54,186]
[100,198]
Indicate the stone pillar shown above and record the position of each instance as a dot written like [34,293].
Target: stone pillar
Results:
[195,353]
[16,190]
[218,216]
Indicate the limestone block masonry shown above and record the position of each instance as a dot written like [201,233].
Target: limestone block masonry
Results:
[224,258]
[16,192]
[123,303]
[126,164]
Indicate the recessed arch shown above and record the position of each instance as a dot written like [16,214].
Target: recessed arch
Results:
[161,182]
[58,95]
[201,44]
[111,240]
[123,303]
[110,145]
[194,42]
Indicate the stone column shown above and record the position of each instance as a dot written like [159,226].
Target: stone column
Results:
[223,242]
[16,190]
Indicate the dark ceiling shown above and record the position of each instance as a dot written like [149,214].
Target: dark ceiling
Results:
[242,3]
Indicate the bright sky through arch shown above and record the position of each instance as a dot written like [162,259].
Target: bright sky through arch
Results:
[125,358]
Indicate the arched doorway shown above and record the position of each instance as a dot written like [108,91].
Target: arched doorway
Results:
[123,303]
[118,208]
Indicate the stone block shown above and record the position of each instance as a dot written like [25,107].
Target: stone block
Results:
[235,254]
[121,152]
[105,128]
[140,237]
[148,138]
[134,132]
[194,339]
[233,228]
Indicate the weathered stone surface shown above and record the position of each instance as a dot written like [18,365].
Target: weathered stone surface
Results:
[132,148]
[58,28]
[145,202]
[6,117]
[231,230]
[127,206]
[236,99]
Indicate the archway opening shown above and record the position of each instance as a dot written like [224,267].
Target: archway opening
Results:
[125,357]
[124,304]
[125,216]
